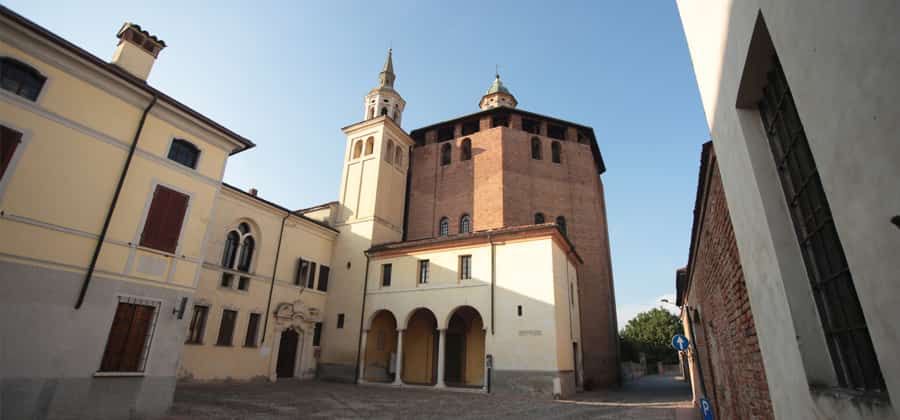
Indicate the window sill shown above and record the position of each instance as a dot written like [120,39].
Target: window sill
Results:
[193,343]
[878,399]
[224,345]
[118,374]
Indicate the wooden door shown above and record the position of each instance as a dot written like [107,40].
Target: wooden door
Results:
[287,354]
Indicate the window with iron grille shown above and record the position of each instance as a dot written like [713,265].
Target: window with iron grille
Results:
[184,152]
[20,78]
[198,325]
[129,338]
[846,333]
[465,224]
[226,328]
[465,267]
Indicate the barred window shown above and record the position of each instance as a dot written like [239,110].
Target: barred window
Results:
[184,152]
[846,333]
[465,267]
[20,78]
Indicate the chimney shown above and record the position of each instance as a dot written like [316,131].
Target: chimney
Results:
[137,50]
[254,192]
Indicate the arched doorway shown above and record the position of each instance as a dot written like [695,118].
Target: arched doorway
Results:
[420,348]
[287,353]
[381,348]
[464,349]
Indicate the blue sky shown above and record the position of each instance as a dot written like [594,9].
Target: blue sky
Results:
[288,75]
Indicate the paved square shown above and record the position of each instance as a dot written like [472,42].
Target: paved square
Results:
[650,398]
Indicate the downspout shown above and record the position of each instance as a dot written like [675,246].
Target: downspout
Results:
[112,206]
[362,314]
[493,277]
[274,273]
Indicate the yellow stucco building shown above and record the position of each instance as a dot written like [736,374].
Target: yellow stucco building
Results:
[155,270]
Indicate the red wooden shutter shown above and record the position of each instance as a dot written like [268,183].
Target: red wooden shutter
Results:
[9,140]
[127,337]
[164,220]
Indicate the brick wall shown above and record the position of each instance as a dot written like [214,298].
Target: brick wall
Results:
[724,330]
[503,186]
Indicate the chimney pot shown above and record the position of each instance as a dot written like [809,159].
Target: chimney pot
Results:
[254,192]
[137,50]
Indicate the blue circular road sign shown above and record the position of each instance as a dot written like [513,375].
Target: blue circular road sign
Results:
[680,342]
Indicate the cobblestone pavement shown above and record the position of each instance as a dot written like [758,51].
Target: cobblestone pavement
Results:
[650,398]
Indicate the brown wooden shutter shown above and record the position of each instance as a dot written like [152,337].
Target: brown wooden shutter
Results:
[9,140]
[164,220]
[127,337]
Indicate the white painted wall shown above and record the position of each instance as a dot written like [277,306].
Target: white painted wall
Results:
[841,62]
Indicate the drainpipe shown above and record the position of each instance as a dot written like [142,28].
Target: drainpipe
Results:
[112,206]
[493,277]
[696,354]
[274,273]
[362,314]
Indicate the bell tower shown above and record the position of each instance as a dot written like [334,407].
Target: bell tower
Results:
[370,211]
[384,100]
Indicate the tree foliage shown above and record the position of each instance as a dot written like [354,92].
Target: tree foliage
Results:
[651,333]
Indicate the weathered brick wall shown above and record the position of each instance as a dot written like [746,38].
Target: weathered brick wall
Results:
[725,332]
[503,186]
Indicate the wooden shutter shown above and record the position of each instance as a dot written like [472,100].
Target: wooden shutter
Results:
[127,337]
[164,220]
[324,272]
[9,141]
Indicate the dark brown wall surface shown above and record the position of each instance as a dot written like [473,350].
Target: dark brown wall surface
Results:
[725,332]
[503,186]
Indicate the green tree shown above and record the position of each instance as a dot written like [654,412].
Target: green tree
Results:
[651,333]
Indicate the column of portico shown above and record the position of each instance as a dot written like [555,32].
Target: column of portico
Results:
[440,367]
[399,370]
[362,357]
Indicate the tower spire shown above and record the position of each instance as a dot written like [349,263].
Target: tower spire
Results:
[387,76]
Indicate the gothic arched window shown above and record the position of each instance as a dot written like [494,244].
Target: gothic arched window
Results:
[370,145]
[536,148]
[238,255]
[444,227]
[465,224]
[561,222]
[247,246]
[556,152]
[465,152]
[539,218]
[445,154]
[231,247]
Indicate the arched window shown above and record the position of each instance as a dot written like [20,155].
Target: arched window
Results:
[244,228]
[370,145]
[20,78]
[445,154]
[390,151]
[465,224]
[184,152]
[371,112]
[539,218]
[383,111]
[247,246]
[536,148]
[465,150]
[398,156]
[357,149]
[231,247]
[444,227]
[556,152]
[561,222]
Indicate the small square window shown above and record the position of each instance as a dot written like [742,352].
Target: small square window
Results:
[244,283]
